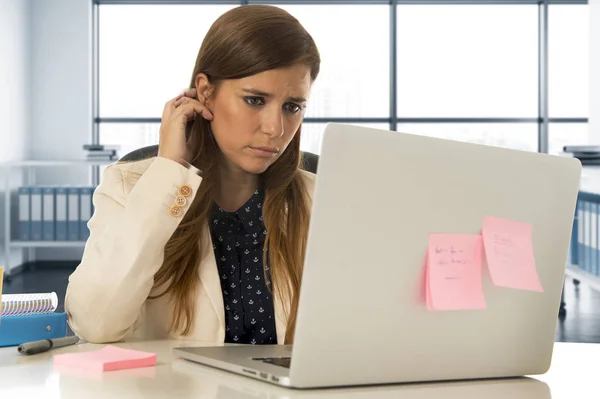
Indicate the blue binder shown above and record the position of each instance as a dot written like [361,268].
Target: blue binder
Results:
[24,213]
[15,330]
[61,214]
[48,214]
[36,213]
[73,213]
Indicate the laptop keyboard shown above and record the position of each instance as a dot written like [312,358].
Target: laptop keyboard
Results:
[277,361]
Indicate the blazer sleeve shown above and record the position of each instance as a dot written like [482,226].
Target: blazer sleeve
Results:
[128,233]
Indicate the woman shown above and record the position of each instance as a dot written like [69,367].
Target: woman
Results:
[206,241]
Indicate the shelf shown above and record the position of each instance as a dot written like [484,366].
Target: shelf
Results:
[30,167]
[47,244]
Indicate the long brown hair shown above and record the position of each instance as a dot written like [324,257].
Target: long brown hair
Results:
[242,42]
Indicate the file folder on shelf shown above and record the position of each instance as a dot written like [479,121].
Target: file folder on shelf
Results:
[54,213]
[73,213]
[24,213]
[61,214]
[48,214]
[36,213]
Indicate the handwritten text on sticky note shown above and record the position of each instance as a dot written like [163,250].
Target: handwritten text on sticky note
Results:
[453,274]
[509,254]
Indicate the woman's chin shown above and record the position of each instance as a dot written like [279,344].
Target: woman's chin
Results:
[257,166]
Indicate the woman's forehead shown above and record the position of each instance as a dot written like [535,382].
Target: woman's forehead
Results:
[291,81]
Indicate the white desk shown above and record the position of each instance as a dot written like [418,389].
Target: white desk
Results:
[573,375]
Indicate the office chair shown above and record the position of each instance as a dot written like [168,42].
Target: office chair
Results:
[310,161]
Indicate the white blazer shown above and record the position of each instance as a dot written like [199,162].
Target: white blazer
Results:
[107,295]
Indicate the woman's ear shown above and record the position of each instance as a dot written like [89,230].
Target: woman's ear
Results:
[203,87]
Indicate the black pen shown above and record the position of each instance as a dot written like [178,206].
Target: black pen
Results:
[31,348]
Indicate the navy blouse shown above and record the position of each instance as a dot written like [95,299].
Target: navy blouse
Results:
[238,239]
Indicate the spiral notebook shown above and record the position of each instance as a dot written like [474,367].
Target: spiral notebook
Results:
[28,304]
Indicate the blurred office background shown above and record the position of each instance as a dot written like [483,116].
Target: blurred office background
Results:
[512,73]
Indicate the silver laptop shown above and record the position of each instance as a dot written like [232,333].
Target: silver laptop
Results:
[362,316]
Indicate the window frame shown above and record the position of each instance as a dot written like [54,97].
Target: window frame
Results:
[393,119]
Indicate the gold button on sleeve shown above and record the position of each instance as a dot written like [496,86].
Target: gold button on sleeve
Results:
[185,190]
[175,211]
[180,200]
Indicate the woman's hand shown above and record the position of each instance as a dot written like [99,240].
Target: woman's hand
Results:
[176,114]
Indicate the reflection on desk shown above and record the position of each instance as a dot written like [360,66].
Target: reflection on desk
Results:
[227,386]
[35,376]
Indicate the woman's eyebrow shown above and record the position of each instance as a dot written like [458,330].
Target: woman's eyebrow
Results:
[265,94]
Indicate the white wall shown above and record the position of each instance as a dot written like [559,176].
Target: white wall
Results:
[14,93]
[62,82]
[14,68]
[45,91]
[594,117]
[61,79]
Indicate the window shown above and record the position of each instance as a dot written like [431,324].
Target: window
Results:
[354,80]
[562,134]
[129,136]
[520,136]
[467,61]
[147,55]
[568,61]
[477,63]
[155,60]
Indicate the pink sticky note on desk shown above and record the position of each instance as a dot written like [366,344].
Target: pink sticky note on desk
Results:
[109,358]
[509,253]
[453,272]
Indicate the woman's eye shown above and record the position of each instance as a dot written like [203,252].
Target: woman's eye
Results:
[254,100]
[293,108]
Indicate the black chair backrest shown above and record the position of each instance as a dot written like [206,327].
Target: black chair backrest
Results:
[310,161]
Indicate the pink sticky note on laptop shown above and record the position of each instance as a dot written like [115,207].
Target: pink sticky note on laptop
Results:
[109,358]
[453,274]
[509,253]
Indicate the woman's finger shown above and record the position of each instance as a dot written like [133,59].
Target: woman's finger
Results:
[190,92]
[180,101]
[188,109]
